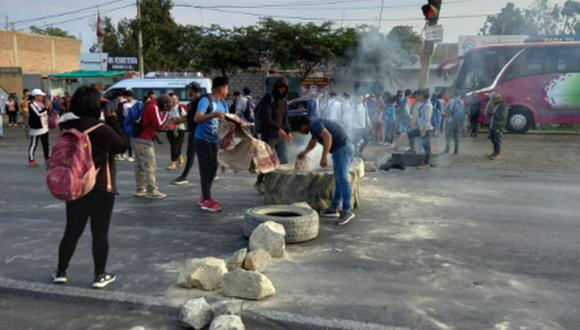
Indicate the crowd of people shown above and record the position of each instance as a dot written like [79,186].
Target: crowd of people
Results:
[125,129]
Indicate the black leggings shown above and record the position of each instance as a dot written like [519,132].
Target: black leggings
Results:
[12,117]
[98,205]
[176,142]
[207,159]
[190,154]
[34,143]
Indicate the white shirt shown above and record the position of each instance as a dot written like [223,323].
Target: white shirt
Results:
[360,116]
[334,110]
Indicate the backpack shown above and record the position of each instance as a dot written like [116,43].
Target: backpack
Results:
[133,125]
[192,109]
[71,171]
[458,111]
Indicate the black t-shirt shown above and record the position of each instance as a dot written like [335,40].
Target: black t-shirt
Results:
[339,136]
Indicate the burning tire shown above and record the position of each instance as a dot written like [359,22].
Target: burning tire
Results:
[301,223]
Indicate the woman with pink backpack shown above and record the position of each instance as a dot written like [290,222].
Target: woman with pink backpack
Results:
[96,204]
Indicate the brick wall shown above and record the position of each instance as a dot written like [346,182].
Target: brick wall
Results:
[39,54]
[256,80]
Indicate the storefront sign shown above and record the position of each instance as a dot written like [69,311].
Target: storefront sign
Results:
[123,62]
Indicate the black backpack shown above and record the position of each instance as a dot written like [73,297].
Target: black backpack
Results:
[192,109]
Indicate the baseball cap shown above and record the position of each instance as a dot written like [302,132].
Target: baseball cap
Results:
[37,92]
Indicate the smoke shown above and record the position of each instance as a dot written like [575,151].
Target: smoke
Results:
[376,61]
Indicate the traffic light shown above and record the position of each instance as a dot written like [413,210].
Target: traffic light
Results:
[431,11]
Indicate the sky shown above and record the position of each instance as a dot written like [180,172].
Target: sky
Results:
[466,17]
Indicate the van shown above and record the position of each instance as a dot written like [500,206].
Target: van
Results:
[141,87]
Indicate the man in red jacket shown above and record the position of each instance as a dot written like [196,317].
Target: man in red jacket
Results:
[154,118]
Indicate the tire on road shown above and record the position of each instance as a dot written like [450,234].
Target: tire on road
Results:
[300,223]
[520,120]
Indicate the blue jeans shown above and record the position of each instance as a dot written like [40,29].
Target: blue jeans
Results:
[342,158]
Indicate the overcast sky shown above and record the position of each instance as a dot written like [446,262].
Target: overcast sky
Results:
[396,12]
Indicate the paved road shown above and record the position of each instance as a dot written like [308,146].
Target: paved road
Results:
[468,245]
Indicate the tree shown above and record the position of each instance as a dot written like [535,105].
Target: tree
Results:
[539,18]
[305,46]
[51,31]
[510,20]
[408,40]
[111,42]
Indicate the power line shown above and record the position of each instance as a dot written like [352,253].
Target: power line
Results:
[83,17]
[399,19]
[66,13]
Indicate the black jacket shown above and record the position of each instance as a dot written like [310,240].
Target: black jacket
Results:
[106,142]
[273,111]
[34,120]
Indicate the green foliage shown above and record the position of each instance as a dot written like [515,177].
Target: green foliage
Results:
[51,31]
[409,40]
[539,18]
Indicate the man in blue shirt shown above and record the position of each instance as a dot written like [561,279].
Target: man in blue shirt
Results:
[336,142]
[210,110]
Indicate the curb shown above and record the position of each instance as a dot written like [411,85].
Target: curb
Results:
[250,310]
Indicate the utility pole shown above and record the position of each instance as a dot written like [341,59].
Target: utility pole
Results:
[6,22]
[431,12]
[140,41]
[381,14]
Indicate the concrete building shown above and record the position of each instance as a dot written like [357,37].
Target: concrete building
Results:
[27,59]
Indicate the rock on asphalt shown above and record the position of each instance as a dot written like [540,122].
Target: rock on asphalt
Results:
[269,236]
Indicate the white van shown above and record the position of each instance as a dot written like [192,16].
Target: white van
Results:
[142,87]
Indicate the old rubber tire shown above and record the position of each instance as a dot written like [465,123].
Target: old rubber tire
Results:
[301,226]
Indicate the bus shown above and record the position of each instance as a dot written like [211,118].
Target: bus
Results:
[160,86]
[539,81]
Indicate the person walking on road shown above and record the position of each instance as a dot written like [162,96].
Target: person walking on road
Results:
[38,123]
[455,122]
[12,109]
[424,126]
[176,132]
[98,204]
[497,112]
[154,118]
[334,141]
[194,95]
[24,109]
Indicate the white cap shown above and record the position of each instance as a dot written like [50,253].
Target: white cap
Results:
[37,92]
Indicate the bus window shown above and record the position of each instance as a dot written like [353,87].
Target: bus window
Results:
[533,61]
[567,59]
[481,67]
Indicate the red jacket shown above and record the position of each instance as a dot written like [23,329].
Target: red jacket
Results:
[153,120]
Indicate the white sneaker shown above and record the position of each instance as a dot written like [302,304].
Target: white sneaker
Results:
[155,195]
[59,278]
[140,193]
[130,159]
[101,281]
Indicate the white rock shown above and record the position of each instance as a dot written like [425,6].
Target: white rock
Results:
[227,307]
[370,166]
[227,322]
[257,260]
[237,259]
[206,274]
[270,237]
[196,313]
[247,285]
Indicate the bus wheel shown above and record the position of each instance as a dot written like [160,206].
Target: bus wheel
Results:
[519,120]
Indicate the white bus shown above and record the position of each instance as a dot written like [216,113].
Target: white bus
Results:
[141,87]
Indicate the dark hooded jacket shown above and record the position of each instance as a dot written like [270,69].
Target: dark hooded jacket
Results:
[273,111]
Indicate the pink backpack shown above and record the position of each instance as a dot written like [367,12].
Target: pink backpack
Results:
[71,170]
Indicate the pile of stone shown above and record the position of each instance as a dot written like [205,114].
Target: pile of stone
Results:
[225,315]
[240,276]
